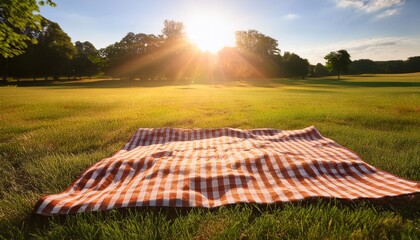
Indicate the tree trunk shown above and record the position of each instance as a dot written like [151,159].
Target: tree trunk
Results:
[338,75]
[6,68]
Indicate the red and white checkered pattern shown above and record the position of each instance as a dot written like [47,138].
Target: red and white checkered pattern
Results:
[213,167]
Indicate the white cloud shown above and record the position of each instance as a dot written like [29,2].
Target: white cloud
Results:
[388,13]
[377,49]
[369,5]
[291,16]
[383,8]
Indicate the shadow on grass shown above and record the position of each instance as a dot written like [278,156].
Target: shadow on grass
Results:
[344,82]
[263,83]
[407,206]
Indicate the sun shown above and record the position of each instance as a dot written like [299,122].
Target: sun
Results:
[210,32]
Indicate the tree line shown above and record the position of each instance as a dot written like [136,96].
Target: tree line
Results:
[362,66]
[44,50]
[147,56]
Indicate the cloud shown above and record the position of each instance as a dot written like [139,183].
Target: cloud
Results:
[369,5]
[383,8]
[377,49]
[388,13]
[292,16]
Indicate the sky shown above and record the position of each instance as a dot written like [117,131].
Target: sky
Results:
[367,29]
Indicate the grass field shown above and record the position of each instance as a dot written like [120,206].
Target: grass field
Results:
[51,131]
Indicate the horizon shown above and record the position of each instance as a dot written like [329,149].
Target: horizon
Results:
[379,30]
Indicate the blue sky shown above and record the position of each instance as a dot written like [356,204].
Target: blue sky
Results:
[374,29]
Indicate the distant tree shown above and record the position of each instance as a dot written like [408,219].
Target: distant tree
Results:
[257,43]
[142,55]
[55,50]
[294,65]
[413,64]
[394,66]
[338,61]
[257,55]
[174,51]
[320,70]
[50,57]
[17,19]
[173,30]
[363,66]
[86,61]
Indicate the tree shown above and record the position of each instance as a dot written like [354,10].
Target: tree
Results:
[173,30]
[134,56]
[257,54]
[413,64]
[175,49]
[50,57]
[338,61]
[55,50]
[86,61]
[257,43]
[17,19]
[363,66]
[320,70]
[294,65]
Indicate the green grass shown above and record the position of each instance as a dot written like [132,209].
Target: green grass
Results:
[51,131]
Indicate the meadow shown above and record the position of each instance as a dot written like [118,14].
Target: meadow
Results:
[51,131]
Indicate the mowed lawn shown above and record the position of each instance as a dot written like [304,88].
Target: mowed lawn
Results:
[51,131]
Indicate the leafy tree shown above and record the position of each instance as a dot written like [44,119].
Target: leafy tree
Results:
[50,57]
[395,66]
[133,56]
[173,30]
[55,50]
[147,55]
[320,70]
[257,43]
[363,66]
[86,61]
[295,66]
[17,19]
[175,50]
[256,55]
[338,61]
[413,64]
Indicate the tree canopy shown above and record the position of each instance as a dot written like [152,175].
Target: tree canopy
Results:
[52,56]
[257,43]
[338,61]
[18,20]
[294,65]
[86,61]
[173,29]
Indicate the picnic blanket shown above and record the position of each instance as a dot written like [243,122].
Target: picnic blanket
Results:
[214,167]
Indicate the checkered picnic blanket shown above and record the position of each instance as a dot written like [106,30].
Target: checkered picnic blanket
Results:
[214,167]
